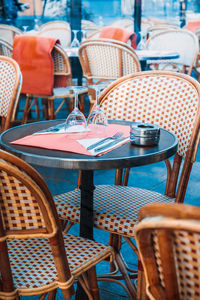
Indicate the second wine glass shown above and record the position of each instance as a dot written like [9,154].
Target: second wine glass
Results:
[75,43]
[76,121]
[97,119]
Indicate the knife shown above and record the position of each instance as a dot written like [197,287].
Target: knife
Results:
[108,145]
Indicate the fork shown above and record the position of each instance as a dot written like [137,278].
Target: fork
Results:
[116,136]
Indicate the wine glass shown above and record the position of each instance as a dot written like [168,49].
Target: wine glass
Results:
[25,27]
[142,42]
[76,121]
[83,35]
[97,120]
[36,24]
[75,43]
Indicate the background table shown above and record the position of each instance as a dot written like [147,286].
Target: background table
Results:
[143,55]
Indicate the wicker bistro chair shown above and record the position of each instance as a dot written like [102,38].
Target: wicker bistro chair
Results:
[89,27]
[10,87]
[169,99]
[61,67]
[8,32]
[36,257]
[156,28]
[62,32]
[5,48]
[178,40]
[55,24]
[168,239]
[197,64]
[106,60]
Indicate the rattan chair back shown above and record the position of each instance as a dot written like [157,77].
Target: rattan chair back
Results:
[153,29]
[197,32]
[10,87]
[8,32]
[104,59]
[56,24]
[5,48]
[28,213]
[62,33]
[89,27]
[183,42]
[168,240]
[125,22]
[62,64]
[169,99]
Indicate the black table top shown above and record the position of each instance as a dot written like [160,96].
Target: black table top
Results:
[143,55]
[127,155]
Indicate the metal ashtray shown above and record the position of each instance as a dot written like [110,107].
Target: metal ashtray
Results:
[144,134]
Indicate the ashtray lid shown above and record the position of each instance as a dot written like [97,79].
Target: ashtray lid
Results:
[144,129]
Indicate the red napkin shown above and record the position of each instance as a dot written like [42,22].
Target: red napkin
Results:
[120,34]
[68,141]
[33,54]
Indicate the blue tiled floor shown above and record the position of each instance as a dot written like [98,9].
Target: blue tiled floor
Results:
[151,177]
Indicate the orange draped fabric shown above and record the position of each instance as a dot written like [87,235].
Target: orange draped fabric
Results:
[33,54]
[192,25]
[120,34]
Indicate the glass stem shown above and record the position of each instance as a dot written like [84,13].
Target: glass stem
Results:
[97,97]
[76,100]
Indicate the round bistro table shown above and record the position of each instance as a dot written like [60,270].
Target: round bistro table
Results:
[127,155]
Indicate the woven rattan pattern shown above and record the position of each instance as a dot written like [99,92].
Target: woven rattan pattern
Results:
[187,260]
[5,48]
[118,216]
[169,102]
[33,265]
[105,69]
[107,59]
[7,81]
[19,208]
[185,246]
[182,41]
[58,62]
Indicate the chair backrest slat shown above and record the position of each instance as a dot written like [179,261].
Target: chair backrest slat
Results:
[168,239]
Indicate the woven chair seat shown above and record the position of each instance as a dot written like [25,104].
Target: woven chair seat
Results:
[33,265]
[115,207]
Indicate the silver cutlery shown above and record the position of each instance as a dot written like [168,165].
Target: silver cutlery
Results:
[107,146]
[114,137]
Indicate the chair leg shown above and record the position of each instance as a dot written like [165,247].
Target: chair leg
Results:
[51,115]
[52,295]
[93,286]
[115,243]
[26,110]
[37,109]
[126,276]
[42,297]
[141,283]
[45,105]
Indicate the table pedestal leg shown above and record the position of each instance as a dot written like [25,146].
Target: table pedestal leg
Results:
[86,219]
